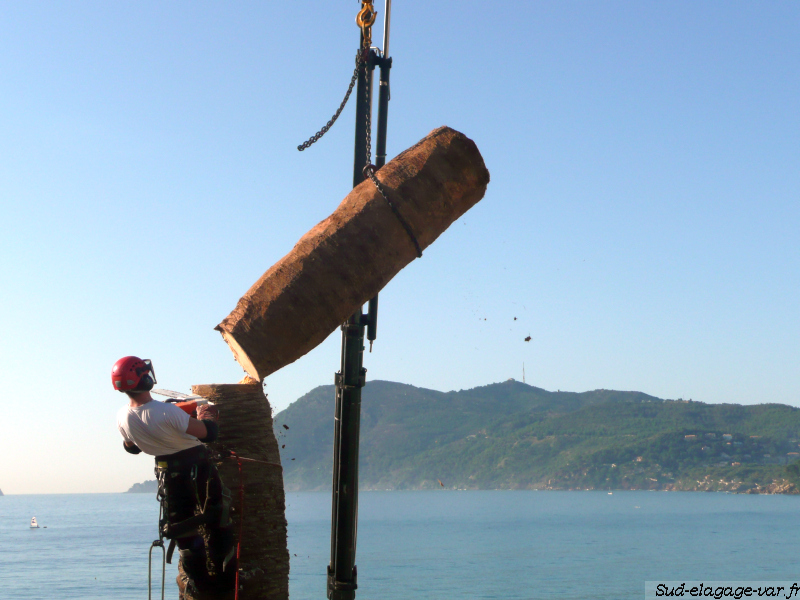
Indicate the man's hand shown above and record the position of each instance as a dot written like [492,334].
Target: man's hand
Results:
[131,447]
[207,412]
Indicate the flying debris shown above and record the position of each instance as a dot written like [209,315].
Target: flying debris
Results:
[527,339]
[285,426]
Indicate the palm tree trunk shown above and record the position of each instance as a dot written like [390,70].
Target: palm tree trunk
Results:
[245,426]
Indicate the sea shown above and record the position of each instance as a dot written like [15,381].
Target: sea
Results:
[438,545]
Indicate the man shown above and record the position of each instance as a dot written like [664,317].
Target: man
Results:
[194,500]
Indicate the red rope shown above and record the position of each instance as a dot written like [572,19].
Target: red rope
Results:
[263,462]
[239,460]
[241,521]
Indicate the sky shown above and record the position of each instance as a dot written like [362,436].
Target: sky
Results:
[641,224]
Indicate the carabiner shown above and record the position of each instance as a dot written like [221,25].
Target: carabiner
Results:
[160,544]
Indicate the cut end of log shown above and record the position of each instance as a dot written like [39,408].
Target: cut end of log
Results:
[241,356]
[349,257]
[247,380]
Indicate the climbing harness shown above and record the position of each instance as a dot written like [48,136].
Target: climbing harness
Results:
[165,529]
[183,483]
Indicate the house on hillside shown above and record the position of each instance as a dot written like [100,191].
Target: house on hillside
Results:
[690,438]
[727,436]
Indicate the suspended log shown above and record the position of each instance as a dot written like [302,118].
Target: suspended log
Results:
[245,426]
[350,256]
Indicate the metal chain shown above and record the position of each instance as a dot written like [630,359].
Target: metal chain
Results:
[369,171]
[324,130]
[368,103]
[365,19]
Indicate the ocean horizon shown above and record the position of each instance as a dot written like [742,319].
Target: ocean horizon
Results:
[432,544]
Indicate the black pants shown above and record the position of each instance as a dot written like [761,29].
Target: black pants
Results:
[196,507]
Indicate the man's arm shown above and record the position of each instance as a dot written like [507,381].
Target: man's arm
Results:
[207,415]
[196,428]
[206,430]
[129,445]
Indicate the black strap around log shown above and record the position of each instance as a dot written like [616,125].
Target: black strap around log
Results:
[369,171]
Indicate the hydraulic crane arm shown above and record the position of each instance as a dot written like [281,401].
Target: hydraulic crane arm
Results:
[342,571]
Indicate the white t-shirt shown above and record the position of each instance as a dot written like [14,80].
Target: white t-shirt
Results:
[158,428]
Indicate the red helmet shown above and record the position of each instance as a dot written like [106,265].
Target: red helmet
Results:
[132,374]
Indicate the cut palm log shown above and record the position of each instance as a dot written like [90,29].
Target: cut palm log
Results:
[245,426]
[350,256]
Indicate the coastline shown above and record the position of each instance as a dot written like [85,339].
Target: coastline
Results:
[776,487]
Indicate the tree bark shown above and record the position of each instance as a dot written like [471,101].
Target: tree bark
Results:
[350,256]
[245,426]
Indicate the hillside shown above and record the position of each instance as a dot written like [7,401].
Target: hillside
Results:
[146,487]
[515,436]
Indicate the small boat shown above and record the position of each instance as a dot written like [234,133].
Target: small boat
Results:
[34,524]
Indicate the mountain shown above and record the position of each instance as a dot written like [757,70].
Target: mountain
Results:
[1,492]
[147,487]
[515,436]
